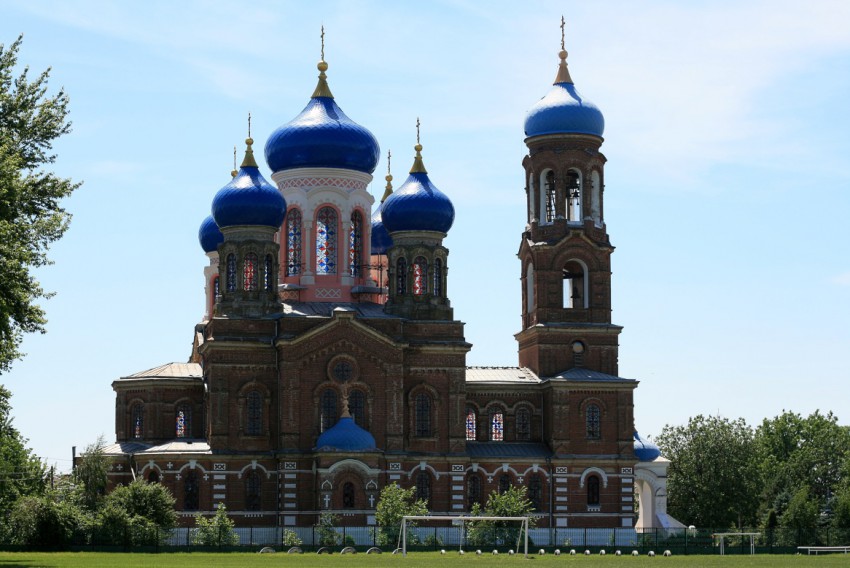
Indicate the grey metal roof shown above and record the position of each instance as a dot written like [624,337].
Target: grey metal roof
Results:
[183,446]
[583,374]
[507,450]
[170,371]
[501,375]
[326,309]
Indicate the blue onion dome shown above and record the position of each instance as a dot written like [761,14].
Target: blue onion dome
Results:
[346,436]
[210,235]
[322,136]
[418,205]
[381,240]
[248,199]
[645,450]
[563,110]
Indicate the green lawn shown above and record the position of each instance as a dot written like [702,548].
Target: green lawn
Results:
[416,559]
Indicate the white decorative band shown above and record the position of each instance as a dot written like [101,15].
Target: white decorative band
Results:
[310,182]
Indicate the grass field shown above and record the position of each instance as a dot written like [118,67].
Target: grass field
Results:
[416,559]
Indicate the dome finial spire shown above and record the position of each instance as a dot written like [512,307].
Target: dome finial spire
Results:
[563,75]
[389,189]
[418,165]
[234,171]
[248,161]
[322,89]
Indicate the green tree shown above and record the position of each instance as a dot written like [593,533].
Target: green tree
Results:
[90,474]
[21,473]
[513,502]
[393,504]
[31,217]
[43,521]
[326,529]
[713,474]
[140,513]
[218,531]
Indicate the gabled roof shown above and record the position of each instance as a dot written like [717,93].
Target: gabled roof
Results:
[584,374]
[501,375]
[181,446]
[170,371]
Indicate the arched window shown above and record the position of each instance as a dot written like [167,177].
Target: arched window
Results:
[252,491]
[401,277]
[355,244]
[573,197]
[504,483]
[593,490]
[596,198]
[423,415]
[523,424]
[575,285]
[249,272]
[473,491]
[254,422]
[231,272]
[423,487]
[594,428]
[216,288]
[535,491]
[497,425]
[137,417]
[190,491]
[348,495]
[357,407]
[183,421]
[549,195]
[420,276]
[268,274]
[153,477]
[532,200]
[529,288]
[438,278]
[328,409]
[293,242]
[471,424]
[326,233]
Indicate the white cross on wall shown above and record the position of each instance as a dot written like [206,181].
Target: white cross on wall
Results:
[327,501]
[372,501]
[169,465]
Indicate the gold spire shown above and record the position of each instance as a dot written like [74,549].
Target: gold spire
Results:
[234,171]
[322,89]
[418,166]
[563,75]
[389,189]
[249,161]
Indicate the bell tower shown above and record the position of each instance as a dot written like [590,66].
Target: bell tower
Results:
[565,251]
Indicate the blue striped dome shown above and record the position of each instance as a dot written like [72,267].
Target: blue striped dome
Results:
[381,240]
[346,436]
[418,205]
[248,199]
[645,450]
[210,235]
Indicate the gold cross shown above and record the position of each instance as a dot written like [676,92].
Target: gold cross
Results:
[417,130]
[323,42]
[562,32]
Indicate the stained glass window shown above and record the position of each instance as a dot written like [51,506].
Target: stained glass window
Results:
[343,371]
[401,277]
[184,421]
[420,276]
[138,421]
[328,409]
[535,491]
[326,233]
[216,288]
[355,243]
[473,491]
[497,426]
[348,495]
[504,483]
[438,277]
[252,491]
[592,419]
[231,272]
[293,242]
[268,274]
[423,415]
[249,272]
[357,407]
[190,491]
[593,490]
[254,424]
[423,487]
[523,425]
[471,425]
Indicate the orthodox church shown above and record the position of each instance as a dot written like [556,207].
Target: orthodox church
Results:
[329,363]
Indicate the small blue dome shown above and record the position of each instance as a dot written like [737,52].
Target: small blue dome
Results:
[381,240]
[645,450]
[418,205]
[346,436]
[322,136]
[210,235]
[248,199]
[564,111]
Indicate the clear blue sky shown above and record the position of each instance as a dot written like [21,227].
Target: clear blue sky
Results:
[727,183]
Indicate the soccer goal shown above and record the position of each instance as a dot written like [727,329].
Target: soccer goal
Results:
[462,520]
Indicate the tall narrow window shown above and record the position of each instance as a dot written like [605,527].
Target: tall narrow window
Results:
[523,424]
[550,196]
[593,490]
[268,274]
[293,242]
[573,196]
[153,477]
[529,288]
[355,243]
[357,407]
[401,277]
[348,495]
[438,277]
[249,272]
[328,409]
[190,491]
[423,415]
[326,233]
[497,425]
[254,423]
[252,491]
[594,429]
[535,491]
[473,491]
[216,288]
[420,276]
[184,421]
[504,483]
[471,418]
[574,285]
[138,421]
[423,487]
[231,272]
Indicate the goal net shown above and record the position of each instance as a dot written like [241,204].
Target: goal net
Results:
[518,532]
